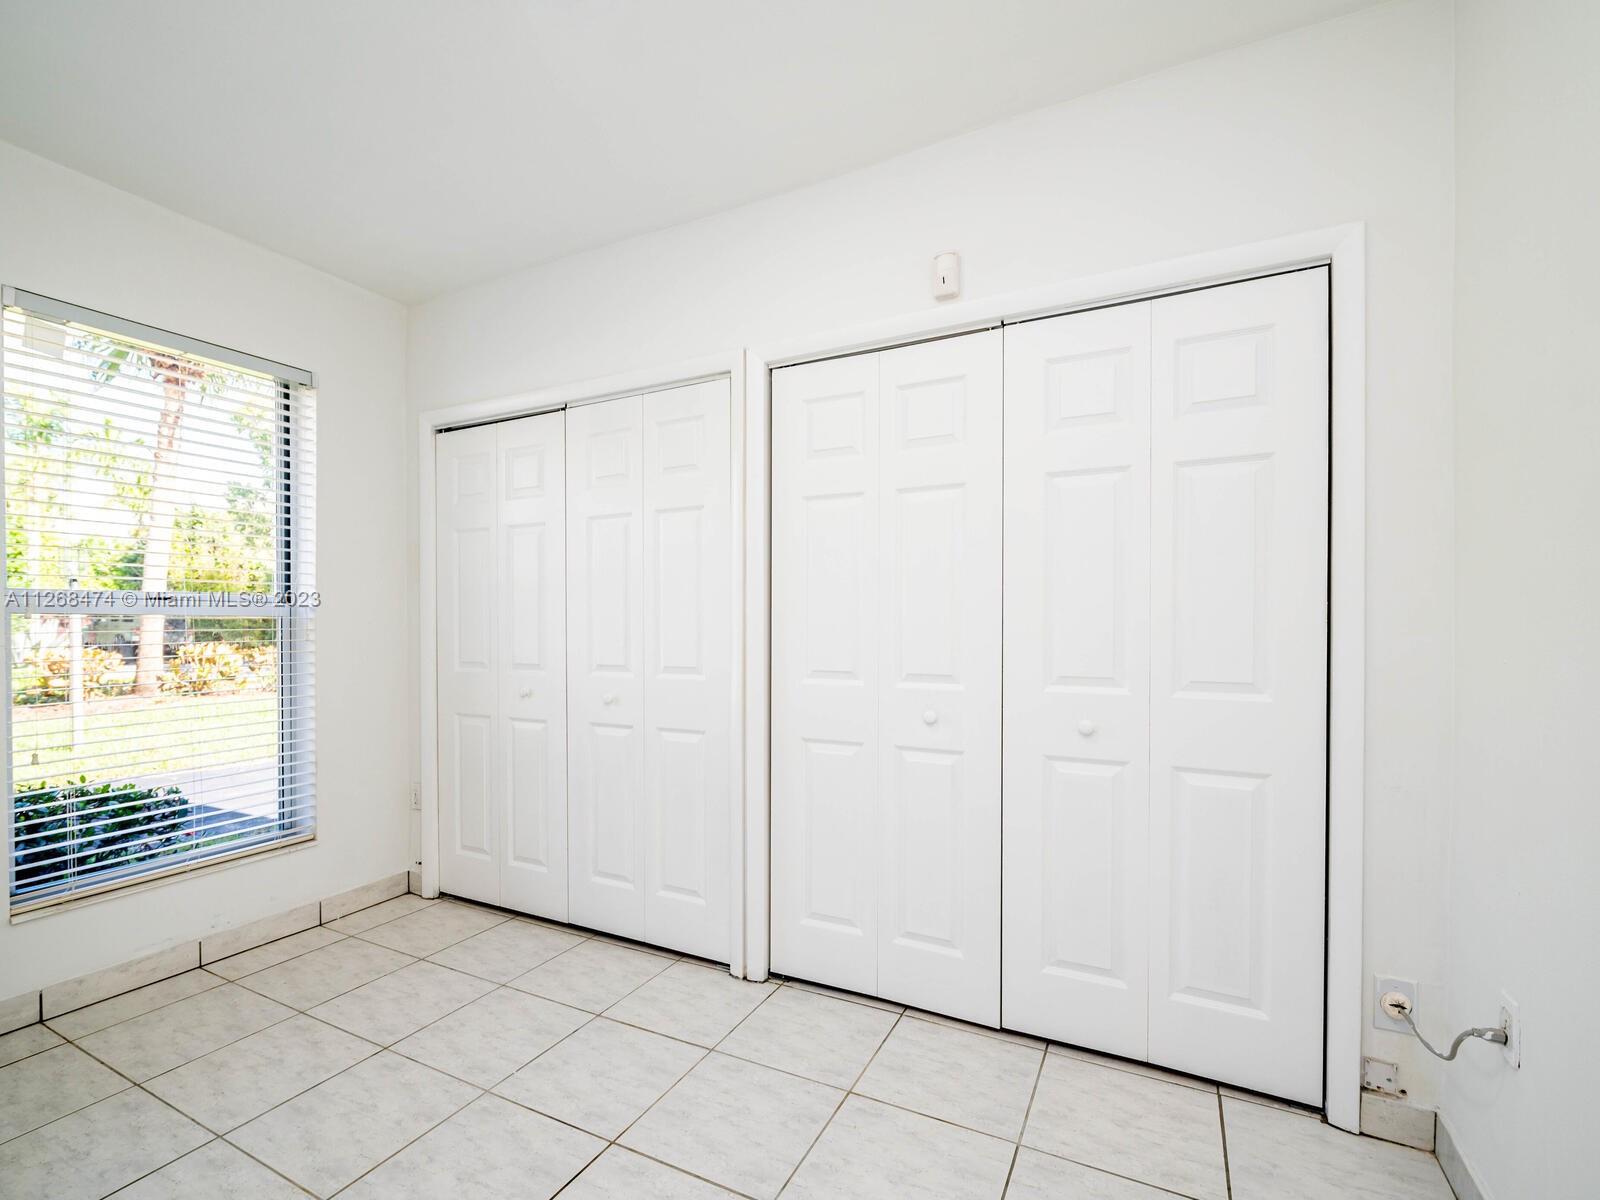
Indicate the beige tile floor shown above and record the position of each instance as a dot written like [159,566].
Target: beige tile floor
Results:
[424,1049]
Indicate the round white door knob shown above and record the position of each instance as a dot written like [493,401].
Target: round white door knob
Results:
[526,693]
[929,717]
[610,698]
[1087,728]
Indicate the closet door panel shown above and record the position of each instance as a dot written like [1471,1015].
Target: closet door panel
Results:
[533,670]
[605,665]
[688,667]
[825,672]
[1239,681]
[468,677]
[1076,678]
[938,642]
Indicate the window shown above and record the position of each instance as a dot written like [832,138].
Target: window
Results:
[160,601]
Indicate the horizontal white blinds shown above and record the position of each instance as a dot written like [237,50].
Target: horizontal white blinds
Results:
[160,602]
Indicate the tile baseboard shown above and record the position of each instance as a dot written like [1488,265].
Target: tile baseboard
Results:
[59,998]
[1456,1172]
[19,1011]
[258,933]
[365,896]
[1393,1120]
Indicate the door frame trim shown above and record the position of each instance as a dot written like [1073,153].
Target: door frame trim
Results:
[433,421]
[1343,247]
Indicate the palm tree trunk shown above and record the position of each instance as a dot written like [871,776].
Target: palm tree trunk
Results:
[163,515]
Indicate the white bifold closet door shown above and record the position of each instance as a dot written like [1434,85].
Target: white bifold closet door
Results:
[886,674]
[650,693]
[1166,677]
[502,714]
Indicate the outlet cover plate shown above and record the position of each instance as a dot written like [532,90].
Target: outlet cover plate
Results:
[1382,984]
[1511,1017]
[1379,1075]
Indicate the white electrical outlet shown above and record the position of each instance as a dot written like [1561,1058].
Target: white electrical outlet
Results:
[1511,1022]
[1381,1019]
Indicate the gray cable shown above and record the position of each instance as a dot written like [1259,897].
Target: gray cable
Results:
[1487,1033]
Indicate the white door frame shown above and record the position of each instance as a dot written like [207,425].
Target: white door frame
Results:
[1341,246]
[569,395]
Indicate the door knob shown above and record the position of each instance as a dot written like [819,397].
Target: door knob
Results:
[609,698]
[1087,728]
[929,717]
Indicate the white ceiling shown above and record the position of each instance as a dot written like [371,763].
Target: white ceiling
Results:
[414,146]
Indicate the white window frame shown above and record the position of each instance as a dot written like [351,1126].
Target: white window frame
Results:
[293,521]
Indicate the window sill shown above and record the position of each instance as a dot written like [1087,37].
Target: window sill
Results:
[32,911]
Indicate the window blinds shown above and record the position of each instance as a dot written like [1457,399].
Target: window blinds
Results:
[160,601]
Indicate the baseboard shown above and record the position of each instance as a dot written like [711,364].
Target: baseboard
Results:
[1456,1171]
[414,882]
[1393,1120]
[59,998]
[365,896]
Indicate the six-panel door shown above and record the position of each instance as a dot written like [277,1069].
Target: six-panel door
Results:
[1238,681]
[650,664]
[886,674]
[1077,667]
[501,660]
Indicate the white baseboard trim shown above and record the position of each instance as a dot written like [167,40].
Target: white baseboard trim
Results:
[58,998]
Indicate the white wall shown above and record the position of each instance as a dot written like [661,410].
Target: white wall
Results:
[65,235]
[1347,121]
[1525,885]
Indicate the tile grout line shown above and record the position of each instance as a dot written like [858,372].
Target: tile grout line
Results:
[848,1092]
[140,1088]
[482,1092]
[1222,1128]
[1027,1115]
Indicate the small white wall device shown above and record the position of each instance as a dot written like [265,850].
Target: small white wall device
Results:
[946,275]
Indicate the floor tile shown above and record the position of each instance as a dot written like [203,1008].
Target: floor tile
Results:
[806,1034]
[1134,1068]
[735,1123]
[270,955]
[339,1130]
[394,1006]
[838,994]
[312,978]
[494,1035]
[37,1090]
[507,950]
[697,1004]
[490,1150]
[1275,1155]
[1270,1102]
[1004,1035]
[169,1037]
[955,1075]
[592,976]
[873,1152]
[603,1076]
[214,1171]
[620,1174]
[429,930]
[1144,1129]
[230,1086]
[84,1021]
[97,1149]
[28,1040]
[378,914]
[1044,1177]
